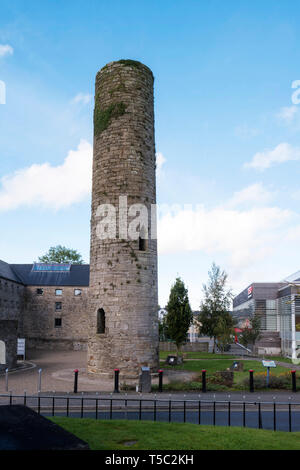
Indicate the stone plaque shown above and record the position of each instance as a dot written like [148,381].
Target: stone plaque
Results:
[145,380]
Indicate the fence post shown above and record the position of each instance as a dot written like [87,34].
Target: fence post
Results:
[40,380]
[160,376]
[117,371]
[203,380]
[75,380]
[6,380]
[294,386]
[251,381]
[259,416]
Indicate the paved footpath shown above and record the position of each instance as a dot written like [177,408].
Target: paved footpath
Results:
[58,374]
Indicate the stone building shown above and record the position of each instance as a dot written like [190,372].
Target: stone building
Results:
[11,319]
[45,306]
[123,275]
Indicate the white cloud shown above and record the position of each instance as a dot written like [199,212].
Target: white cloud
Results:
[287,114]
[53,186]
[244,236]
[293,234]
[5,49]
[254,194]
[50,186]
[160,161]
[82,98]
[282,153]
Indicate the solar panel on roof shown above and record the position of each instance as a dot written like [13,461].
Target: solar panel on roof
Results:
[56,267]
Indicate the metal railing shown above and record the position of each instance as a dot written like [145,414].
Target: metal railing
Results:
[284,416]
[244,347]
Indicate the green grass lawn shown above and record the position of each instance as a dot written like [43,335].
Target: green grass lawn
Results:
[213,365]
[144,435]
[196,355]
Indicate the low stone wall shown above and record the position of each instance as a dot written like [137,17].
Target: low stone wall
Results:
[56,344]
[268,344]
[187,347]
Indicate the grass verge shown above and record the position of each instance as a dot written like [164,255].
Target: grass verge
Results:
[143,435]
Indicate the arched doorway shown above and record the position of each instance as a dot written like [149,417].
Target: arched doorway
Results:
[2,353]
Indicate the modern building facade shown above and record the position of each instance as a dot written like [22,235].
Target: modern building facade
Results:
[278,306]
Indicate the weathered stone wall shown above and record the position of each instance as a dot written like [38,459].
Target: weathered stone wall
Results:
[11,319]
[123,279]
[40,314]
[11,301]
[8,334]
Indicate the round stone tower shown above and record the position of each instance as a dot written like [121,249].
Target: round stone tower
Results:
[123,263]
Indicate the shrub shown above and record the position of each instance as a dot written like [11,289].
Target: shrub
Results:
[281,381]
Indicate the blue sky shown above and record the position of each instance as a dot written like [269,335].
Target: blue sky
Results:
[227,129]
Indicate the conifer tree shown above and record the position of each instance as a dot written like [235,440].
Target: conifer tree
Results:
[180,315]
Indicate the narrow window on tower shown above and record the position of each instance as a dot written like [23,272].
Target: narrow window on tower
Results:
[100,321]
[142,244]
[143,240]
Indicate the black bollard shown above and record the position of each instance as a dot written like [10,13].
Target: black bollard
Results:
[75,380]
[251,381]
[160,376]
[203,381]
[294,386]
[117,371]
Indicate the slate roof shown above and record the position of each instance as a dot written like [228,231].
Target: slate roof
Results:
[79,275]
[6,272]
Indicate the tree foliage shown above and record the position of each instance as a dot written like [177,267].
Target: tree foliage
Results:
[61,254]
[180,315]
[224,330]
[214,318]
[252,333]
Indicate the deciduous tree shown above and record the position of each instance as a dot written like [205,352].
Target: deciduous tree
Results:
[215,307]
[61,254]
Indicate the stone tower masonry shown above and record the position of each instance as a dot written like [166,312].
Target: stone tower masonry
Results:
[123,330]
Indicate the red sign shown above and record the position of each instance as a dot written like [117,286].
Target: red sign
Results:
[250,291]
